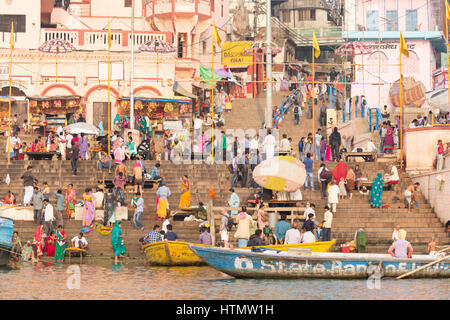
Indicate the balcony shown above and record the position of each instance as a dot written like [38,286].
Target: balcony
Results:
[93,40]
[179,7]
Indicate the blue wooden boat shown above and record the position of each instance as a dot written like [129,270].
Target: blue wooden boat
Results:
[241,263]
[6,233]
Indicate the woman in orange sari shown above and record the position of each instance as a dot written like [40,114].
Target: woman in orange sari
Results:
[71,198]
[185,199]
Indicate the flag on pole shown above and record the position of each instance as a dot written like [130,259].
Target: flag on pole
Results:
[11,37]
[447,10]
[403,46]
[109,35]
[216,36]
[316,46]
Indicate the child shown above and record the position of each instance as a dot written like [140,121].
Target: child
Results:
[328,157]
[46,191]
[342,189]
[364,191]
[22,151]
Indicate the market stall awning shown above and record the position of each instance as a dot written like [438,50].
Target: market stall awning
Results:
[202,85]
[162,99]
[47,98]
[177,88]
[6,99]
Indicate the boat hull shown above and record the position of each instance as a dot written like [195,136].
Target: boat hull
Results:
[171,253]
[6,233]
[176,253]
[4,255]
[246,264]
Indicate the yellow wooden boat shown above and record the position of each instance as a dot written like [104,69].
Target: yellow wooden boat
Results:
[177,253]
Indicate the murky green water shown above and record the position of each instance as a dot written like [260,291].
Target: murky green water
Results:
[104,280]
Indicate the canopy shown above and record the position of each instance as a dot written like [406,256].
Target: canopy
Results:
[205,75]
[82,127]
[283,173]
[6,99]
[45,98]
[177,88]
[162,99]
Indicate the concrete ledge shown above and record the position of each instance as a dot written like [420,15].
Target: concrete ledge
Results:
[17,213]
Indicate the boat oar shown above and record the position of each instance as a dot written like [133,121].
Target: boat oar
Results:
[443,250]
[422,267]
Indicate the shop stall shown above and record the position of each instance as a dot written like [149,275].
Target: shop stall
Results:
[48,113]
[164,113]
[4,114]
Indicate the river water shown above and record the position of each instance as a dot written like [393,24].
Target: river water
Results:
[132,280]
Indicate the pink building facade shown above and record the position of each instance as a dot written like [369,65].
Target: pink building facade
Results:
[184,24]
[378,23]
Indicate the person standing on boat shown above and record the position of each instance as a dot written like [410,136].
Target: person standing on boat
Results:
[281,227]
[326,224]
[245,223]
[293,235]
[402,249]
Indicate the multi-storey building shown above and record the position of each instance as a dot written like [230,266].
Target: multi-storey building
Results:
[184,24]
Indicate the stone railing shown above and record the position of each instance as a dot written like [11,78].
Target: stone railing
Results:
[180,6]
[98,39]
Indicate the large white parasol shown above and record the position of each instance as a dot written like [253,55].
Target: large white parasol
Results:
[283,173]
[82,127]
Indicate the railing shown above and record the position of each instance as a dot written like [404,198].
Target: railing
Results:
[98,39]
[362,110]
[181,6]
[378,118]
[320,32]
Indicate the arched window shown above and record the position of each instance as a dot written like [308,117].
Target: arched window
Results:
[378,61]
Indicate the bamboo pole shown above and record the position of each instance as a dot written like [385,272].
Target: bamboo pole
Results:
[9,103]
[212,100]
[212,226]
[448,66]
[313,128]
[109,90]
[401,114]
[421,268]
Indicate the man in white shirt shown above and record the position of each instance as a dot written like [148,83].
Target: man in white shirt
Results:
[16,143]
[80,241]
[310,209]
[269,144]
[69,138]
[198,123]
[48,217]
[166,222]
[285,146]
[371,147]
[326,224]
[308,237]
[333,195]
[254,145]
[293,235]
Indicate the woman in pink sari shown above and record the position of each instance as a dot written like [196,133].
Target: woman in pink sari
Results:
[89,208]
[37,240]
[328,157]
[119,153]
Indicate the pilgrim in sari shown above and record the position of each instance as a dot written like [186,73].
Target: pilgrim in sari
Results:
[60,244]
[119,153]
[389,141]
[37,240]
[84,147]
[117,242]
[185,199]
[163,193]
[50,246]
[351,178]
[377,191]
[340,171]
[328,156]
[71,197]
[89,208]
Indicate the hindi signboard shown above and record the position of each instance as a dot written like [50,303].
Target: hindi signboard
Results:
[233,54]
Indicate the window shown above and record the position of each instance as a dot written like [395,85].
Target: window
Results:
[372,20]
[203,47]
[221,10]
[182,45]
[392,20]
[286,16]
[307,15]
[18,20]
[128,3]
[411,20]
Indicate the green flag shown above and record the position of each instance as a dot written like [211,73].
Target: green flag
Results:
[205,75]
